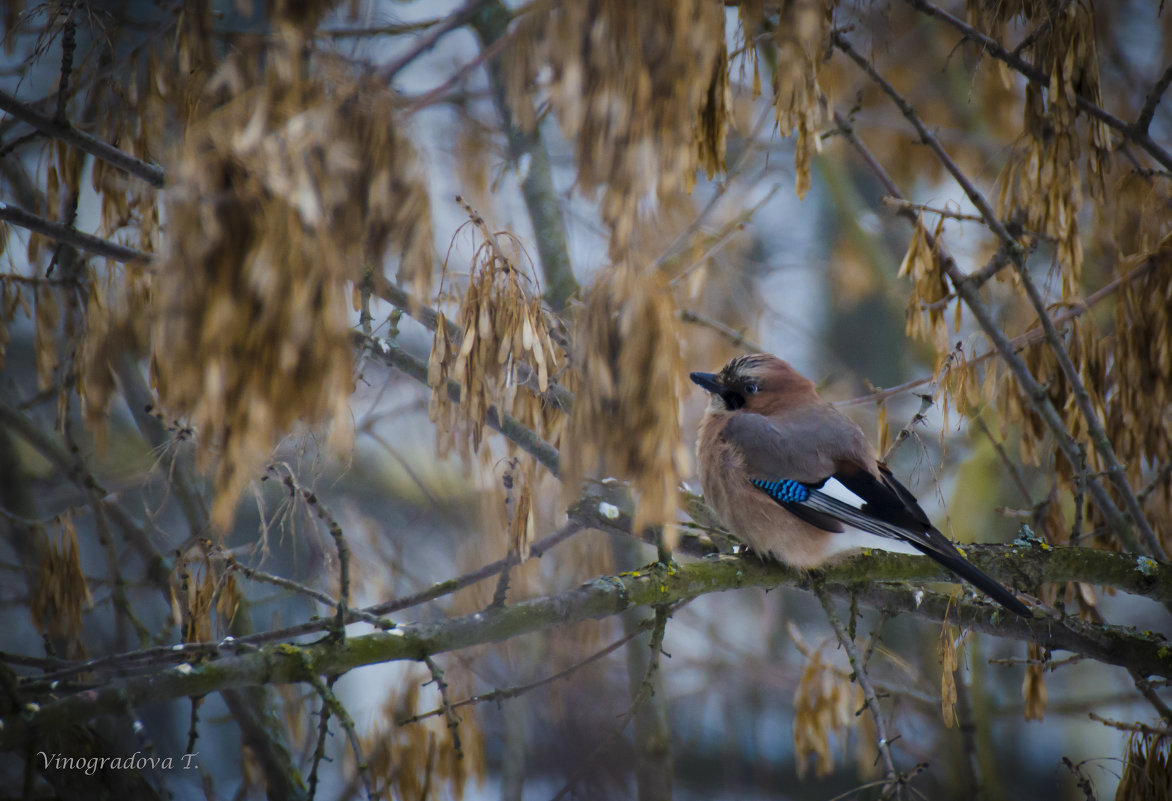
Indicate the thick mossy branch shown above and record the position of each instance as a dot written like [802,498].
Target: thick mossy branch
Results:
[861,577]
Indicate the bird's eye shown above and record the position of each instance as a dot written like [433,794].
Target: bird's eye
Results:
[750,388]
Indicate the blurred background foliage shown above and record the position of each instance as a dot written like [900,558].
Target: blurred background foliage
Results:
[277,274]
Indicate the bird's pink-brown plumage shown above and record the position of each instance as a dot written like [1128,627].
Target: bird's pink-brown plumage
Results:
[732,443]
[765,422]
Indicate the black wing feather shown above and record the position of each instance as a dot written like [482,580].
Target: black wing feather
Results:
[885,497]
[822,520]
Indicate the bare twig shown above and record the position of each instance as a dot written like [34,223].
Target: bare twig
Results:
[457,19]
[722,237]
[646,688]
[395,29]
[1013,468]
[1144,121]
[319,749]
[430,96]
[493,568]
[900,203]
[289,584]
[38,662]
[736,338]
[967,724]
[501,594]
[1139,728]
[193,724]
[926,403]
[68,46]
[323,514]
[892,779]
[521,689]
[722,187]
[453,720]
[1084,783]
[1161,477]
[1050,665]
[1150,695]
[38,280]
[338,710]
[873,640]
[118,582]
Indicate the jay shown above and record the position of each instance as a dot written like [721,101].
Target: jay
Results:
[799,482]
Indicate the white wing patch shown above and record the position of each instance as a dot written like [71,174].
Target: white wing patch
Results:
[835,489]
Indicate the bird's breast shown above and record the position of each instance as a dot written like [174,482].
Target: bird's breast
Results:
[748,512]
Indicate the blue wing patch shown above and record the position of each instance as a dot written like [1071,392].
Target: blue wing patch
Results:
[784,491]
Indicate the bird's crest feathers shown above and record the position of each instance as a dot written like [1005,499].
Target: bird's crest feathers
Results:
[764,384]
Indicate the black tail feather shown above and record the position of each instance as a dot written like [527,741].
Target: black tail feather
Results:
[929,541]
[978,578]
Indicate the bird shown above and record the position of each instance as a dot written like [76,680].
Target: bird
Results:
[800,482]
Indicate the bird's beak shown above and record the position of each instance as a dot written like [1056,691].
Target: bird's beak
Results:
[708,381]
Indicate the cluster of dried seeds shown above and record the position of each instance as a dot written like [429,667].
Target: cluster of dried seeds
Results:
[949,662]
[801,34]
[641,89]
[61,594]
[1033,685]
[1138,421]
[278,197]
[1122,364]
[410,760]
[504,334]
[1042,184]
[193,596]
[1147,769]
[925,307]
[626,420]
[825,703]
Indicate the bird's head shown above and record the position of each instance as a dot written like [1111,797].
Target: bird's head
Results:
[757,383]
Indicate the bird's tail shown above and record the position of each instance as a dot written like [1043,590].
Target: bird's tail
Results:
[930,542]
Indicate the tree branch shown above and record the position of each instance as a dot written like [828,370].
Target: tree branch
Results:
[528,439]
[74,468]
[1033,391]
[457,19]
[1144,652]
[556,395]
[736,338]
[151,173]
[70,236]
[1144,120]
